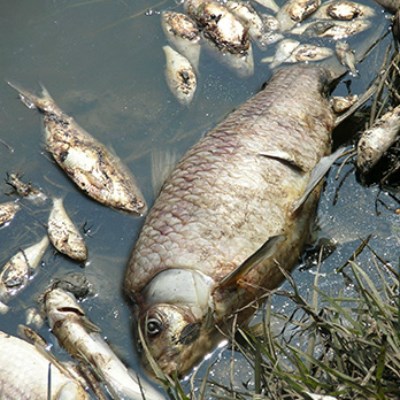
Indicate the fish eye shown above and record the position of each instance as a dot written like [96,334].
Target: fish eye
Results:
[153,326]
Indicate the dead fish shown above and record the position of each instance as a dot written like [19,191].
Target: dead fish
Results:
[310,52]
[284,49]
[224,34]
[228,216]
[92,167]
[26,372]
[183,34]
[63,234]
[26,190]
[346,57]
[376,140]
[33,317]
[19,270]
[8,211]
[180,76]
[270,4]
[82,340]
[332,29]
[249,17]
[341,104]
[295,11]
[344,10]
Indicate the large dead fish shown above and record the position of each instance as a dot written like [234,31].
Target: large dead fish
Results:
[26,373]
[226,221]
[99,173]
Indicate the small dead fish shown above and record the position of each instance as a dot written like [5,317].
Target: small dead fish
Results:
[341,104]
[295,11]
[180,76]
[270,4]
[346,57]
[224,34]
[33,317]
[249,17]
[344,10]
[309,52]
[26,190]
[376,140]
[284,50]
[63,234]
[82,340]
[96,171]
[183,34]
[332,29]
[8,211]
[18,271]
[27,371]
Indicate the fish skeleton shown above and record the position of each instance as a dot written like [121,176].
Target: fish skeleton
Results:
[25,373]
[92,167]
[228,218]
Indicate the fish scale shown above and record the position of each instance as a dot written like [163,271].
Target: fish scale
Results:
[232,191]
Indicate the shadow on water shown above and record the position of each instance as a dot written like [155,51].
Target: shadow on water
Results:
[103,64]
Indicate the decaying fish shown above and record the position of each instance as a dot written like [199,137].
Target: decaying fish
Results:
[332,29]
[26,190]
[82,340]
[183,34]
[96,171]
[341,104]
[346,56]
[63,234]
[8,211]
[295,11]
[234,211]
[33,317]
[270,4]
[224,34]
[26,373]
[19,270]
[344,10]
[284,50]
[376,140]
[180,76]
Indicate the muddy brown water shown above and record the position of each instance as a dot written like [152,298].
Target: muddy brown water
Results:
[102,61]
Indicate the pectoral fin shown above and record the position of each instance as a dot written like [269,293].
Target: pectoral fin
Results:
[285,158]
[267,250]
[316,176]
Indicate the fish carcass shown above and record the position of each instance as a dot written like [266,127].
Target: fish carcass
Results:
[26,373]
[229,217]
[91,166]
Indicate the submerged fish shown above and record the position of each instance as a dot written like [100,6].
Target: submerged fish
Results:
[8,211]
[96,171]
[82,340]
[63,234]
[180,76]
[26,190]
[235,210]
[19,270]
[346,57]
[376,140]
[27,373]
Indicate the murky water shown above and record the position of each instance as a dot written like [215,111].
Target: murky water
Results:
[102,62]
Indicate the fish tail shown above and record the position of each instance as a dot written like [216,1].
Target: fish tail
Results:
[44,103]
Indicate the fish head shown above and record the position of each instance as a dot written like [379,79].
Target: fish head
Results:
[173,339]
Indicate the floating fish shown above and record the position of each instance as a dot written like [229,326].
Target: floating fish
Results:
[295,11]
[284,50]
[310,52]
[25,190]
[19,270]
[341,104]
[33,317]
[82,340]
[229,217]
[180,76]
[376,140]
[26,373]
[224,34]
[344,10]
[270,4]
[183,34]
[346,57]
[63,234]
[332,29]
[8,211]
[99,173]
